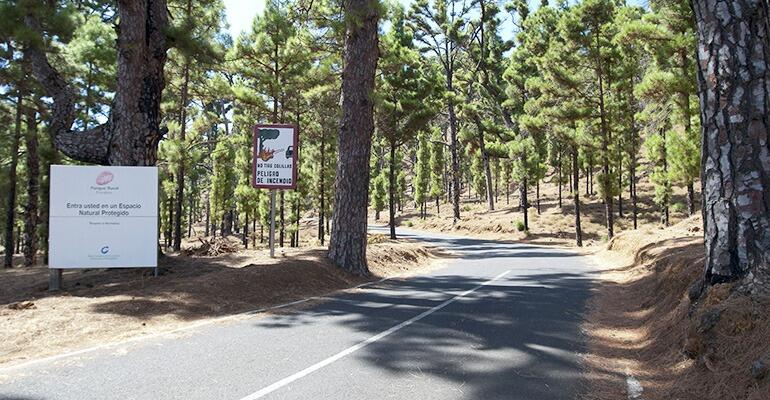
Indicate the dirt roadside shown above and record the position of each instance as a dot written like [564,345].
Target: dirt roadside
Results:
[642,324]
[101,306]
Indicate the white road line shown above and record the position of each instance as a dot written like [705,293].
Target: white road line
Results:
[352,349]
[329,297]
[633,386]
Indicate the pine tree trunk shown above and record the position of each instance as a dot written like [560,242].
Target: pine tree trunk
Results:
[392,191]
[181,167]
[525,204]
[497,185]
[347,247]
[606,140]
[537,195]
[576,197]
[560,177]
[632,191]
[132,132]
[33,185]
[18,242]
[455,158]
[169,232]
[690,199]
[734,88]
[485,164]
[245,237]
[208,218]
[191,204]
[55,158]
[10,203]
[620,189]
[322,190]
[666,199]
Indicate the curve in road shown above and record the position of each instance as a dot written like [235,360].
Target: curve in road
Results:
[499,321]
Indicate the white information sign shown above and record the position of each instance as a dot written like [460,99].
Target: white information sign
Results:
[275,157]
[103,217]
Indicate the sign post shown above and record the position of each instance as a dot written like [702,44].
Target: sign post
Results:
[274,164]
[272,223]
[102,217]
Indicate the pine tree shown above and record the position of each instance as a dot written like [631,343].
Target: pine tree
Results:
[404,95]
[422,173]
[223,183]
[440,28]
[194,39]
[735,185]
[437,170]
[347,247]
[132,136]
[587,30]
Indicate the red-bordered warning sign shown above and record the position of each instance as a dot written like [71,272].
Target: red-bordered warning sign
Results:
[275,157]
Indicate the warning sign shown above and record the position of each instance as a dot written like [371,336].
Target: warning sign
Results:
[275,157]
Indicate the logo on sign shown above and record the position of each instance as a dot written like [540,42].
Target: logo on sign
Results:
[104,249]
[104,178]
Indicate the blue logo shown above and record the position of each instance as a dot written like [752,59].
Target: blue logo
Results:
[104,249]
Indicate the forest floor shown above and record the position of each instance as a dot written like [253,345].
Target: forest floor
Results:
[103,306]
[553,225]
[643,326]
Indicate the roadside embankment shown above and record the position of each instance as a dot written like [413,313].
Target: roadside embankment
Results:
[645,324]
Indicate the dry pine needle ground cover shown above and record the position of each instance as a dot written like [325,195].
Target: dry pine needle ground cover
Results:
[642,323]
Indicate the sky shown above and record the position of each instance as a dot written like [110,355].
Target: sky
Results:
[240,14]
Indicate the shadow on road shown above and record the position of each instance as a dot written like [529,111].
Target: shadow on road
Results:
[516,338]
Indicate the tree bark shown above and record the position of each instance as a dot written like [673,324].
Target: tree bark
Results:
[620,185]
[208,218]
[576,197]
[322,190]
[10,203]
[455,159]
[525,204]
[665,212]
[33,186]
[392,191]
[632,190]
[485,164]
[193,206]
[132,132]
[246,231]
[169,231]
[690,198]
[181,167]
[606,140]
[560,176]
[734,90]
[347,247]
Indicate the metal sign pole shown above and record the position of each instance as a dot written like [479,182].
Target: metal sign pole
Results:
[272,223]
[54,279]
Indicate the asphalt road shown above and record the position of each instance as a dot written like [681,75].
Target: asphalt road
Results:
[499,321]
